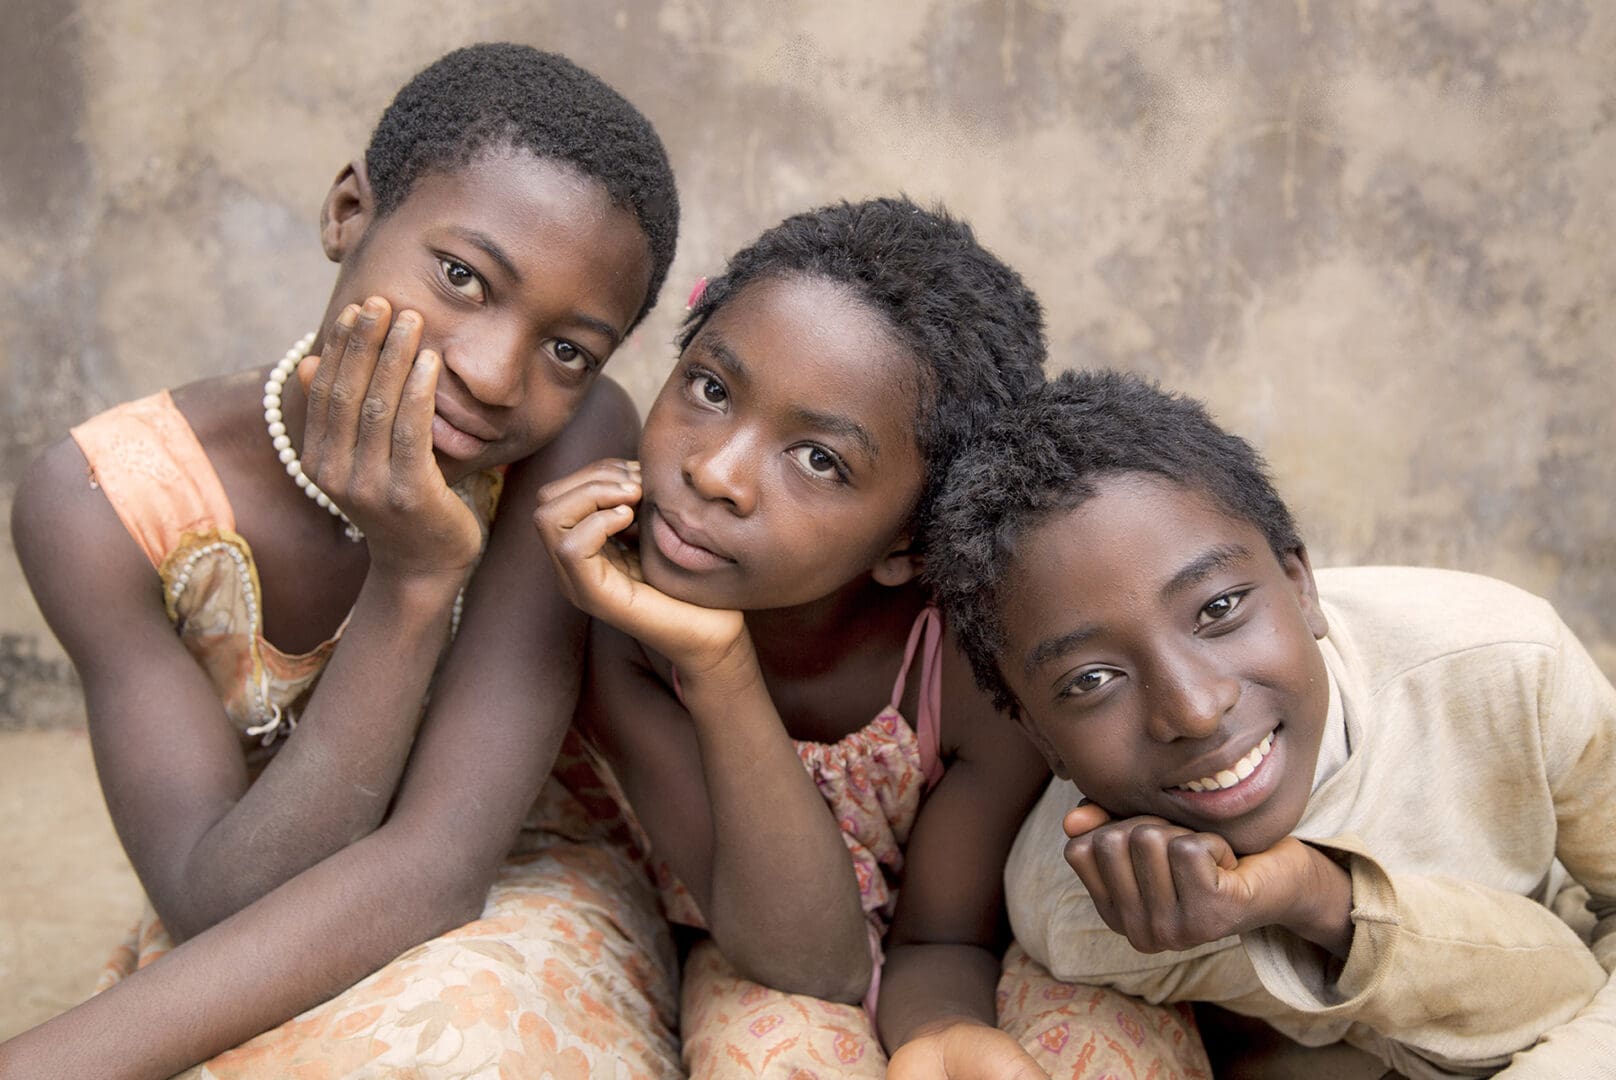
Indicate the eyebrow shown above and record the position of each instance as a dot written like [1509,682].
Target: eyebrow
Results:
[1191,574]
[1204,566]
[490,247]
[1050,648]
[830,423]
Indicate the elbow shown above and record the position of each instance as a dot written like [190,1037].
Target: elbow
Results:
[815,976]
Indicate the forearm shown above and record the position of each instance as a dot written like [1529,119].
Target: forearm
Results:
[925,986]
[295,948]
[1421,939]
[782,900]
[333,780]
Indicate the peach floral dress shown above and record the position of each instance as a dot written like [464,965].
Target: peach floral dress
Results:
[570,971]
[874,781]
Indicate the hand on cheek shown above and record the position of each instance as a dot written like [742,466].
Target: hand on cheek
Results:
[1166,887]
[577,518]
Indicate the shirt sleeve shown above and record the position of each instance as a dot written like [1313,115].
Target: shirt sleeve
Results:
[1579,746]
[1464,974]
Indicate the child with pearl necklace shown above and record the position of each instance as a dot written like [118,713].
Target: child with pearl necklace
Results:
[260,577]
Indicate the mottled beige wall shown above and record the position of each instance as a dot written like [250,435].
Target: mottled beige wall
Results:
[1378,236]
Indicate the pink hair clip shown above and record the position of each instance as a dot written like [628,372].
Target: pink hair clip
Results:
[695,293]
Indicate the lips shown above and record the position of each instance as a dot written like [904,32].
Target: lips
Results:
[1237,771]
[1234,786]
[456,433]
[683,544]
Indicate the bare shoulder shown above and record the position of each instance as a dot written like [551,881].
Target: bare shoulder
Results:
[973,730]
[607,424]
[70,541]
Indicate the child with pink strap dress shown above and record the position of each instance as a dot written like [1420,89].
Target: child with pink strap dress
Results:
[872,780]
[785,477]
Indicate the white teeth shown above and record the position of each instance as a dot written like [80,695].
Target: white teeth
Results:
[1241,769]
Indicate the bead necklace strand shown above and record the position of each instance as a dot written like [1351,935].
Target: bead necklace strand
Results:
[275,420]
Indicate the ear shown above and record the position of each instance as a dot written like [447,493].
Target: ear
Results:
[1300,573]
[349,208]
[1045,747]
[900,565]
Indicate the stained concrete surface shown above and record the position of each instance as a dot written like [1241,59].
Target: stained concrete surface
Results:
[1377,237]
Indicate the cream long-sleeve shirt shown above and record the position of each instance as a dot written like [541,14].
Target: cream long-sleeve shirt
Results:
[1481,759]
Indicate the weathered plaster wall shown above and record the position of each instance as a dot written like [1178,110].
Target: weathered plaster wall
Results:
[1377,236]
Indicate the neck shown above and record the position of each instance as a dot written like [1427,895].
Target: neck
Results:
[813,638]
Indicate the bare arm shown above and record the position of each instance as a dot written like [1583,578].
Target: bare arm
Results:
[498,712]
[754,843]
[937,1013]
[726,802]
[204,841]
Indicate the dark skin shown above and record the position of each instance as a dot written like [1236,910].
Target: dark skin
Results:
[775,570]
[1166,660]
[458,361]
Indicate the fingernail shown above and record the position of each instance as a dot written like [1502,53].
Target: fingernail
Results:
[407,320]
[630,488]
[373,307]
[349,316]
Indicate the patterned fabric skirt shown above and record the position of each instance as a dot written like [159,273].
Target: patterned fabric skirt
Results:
[570,972]
[737,1028]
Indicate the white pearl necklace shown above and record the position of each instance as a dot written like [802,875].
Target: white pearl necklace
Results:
[283,442]
[275,420]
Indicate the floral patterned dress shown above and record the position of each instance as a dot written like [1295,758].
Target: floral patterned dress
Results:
[570,971]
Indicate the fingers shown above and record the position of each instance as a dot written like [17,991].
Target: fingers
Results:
[1129,870]
[612,484]
[410,438]
[378,417]
[337,394]
[577,515]
[1084,817]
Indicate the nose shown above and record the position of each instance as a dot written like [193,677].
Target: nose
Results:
[724,469]
[490,361]
[1190,697]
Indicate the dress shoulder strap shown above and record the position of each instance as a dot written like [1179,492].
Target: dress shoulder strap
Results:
[927,636]
[148,462]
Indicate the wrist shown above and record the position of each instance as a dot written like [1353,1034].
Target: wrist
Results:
[721,668]
[1322,912]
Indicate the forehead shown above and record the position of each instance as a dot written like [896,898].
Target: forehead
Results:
[1110,558]
[806,344]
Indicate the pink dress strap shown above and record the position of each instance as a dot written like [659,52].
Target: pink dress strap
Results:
[926,634]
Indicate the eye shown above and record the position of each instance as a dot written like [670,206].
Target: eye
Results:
[1219,608]
[705,387]
[818,462]
[1089,681]
[570,356]
[462,279]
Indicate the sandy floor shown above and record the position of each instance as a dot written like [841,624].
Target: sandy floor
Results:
[67,894]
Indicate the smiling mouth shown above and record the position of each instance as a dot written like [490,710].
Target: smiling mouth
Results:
[1236,773]
[681,552]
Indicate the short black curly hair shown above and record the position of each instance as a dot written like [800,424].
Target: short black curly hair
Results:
[1045,457]
[499,95]
[975,329]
